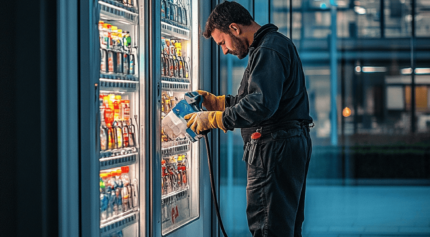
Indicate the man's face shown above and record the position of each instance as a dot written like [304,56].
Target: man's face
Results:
[230,44]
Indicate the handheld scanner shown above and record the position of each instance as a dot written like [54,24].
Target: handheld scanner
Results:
[195,100]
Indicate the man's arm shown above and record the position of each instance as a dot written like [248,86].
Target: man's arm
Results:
[267,80]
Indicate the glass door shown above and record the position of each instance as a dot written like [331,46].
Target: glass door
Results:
[120,145]
[179,177]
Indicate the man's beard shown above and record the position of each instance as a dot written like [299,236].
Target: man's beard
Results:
[240,49]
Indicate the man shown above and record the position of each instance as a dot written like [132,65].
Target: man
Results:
[272,109]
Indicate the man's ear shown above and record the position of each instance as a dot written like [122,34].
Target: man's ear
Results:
[235,29]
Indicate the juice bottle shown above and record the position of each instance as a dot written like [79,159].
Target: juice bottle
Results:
[125,109]
[116,105]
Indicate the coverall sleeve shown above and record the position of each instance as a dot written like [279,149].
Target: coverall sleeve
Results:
[268,73]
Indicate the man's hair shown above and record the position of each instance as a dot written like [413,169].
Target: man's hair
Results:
[224,14]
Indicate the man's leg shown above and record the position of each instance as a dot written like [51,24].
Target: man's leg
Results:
[300,217]
[275,179]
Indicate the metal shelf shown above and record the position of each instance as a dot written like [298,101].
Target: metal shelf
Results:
[175,193]
[119,222]
[172,31]
[174,84]
[121,82]
[114,11]
[175,147]
[119,160]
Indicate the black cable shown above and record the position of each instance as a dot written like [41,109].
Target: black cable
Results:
[212,184]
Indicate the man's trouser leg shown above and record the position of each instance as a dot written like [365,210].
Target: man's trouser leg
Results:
[276,169]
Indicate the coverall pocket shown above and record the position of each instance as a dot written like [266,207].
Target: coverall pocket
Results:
[255,167]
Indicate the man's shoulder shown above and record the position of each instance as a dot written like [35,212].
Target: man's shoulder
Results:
[277,42]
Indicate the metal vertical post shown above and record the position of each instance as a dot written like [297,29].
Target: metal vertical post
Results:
[382,18]
[333,74]
[413,107]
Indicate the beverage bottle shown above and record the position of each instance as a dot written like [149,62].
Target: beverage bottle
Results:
[103,138]
[172,66]
[130,3]
[119,200]
[114,35]
[111,61]
[119,62]
[104,202]
[126,40]
[167,66]
[184,16]
[163,9]
[125,64]
[131,67]
[165,183]
[106,101]
[163,65]
[134,193]
[178,14]
[167,10]
[125,134]
[118,179]
[103,60]
[173,12]
[125,199]
[111,99]
[105,36]
[116,107]
[186,69]
[125,176]
[125,111]
[118,134]
[119,40]
[183,169]
[131,134]
[101,25]
[110,192]
[109,36]
[113,205]
[102,109]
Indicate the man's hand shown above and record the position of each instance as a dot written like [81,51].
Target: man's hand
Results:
[202,121]
[212,102]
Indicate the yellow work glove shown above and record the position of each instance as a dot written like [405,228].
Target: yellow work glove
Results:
[213,102]
[202,121]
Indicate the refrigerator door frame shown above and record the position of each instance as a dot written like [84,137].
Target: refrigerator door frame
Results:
[202,225]
[144,76]
[89,113]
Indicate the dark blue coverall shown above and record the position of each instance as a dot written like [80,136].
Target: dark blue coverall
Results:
[272,98]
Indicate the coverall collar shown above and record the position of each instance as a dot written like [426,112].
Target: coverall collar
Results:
[259,35]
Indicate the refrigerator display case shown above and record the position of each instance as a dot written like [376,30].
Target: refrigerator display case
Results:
[120,146]
[179,158]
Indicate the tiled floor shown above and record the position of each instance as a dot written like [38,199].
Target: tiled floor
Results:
[352,211]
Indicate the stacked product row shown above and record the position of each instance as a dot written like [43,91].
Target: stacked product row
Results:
[117,193]
[115,52]
[174,65]
[116,128]
[175,12]
[174,174]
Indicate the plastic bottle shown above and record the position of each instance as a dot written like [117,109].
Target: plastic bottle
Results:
[119,40]
[103,60]
[125,175]
[131,68]
[163,9]
[125,63]
[104,202]
[119,62]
